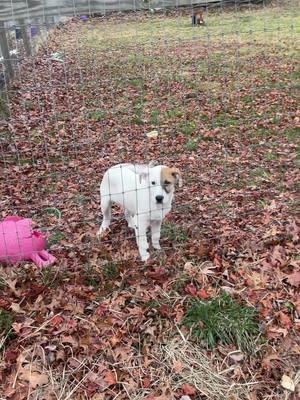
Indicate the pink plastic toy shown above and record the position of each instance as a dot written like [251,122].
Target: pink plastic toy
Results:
[19,242]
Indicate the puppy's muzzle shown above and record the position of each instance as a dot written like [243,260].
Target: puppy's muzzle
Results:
[159,199]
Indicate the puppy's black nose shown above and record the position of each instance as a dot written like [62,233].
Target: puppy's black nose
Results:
[159,199]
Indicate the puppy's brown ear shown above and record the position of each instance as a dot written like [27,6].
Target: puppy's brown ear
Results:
[177,175]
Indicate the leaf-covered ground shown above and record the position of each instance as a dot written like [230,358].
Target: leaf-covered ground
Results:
[224,98]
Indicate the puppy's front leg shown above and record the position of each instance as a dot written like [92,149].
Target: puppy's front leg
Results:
[129,219]
[155,233]
[141,239]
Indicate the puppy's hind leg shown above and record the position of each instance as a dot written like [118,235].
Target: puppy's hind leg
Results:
[106,211]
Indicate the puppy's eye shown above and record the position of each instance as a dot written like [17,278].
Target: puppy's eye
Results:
[153,183]
[167,183]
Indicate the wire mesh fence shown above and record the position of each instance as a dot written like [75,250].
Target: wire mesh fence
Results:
[89,92]
[188,113]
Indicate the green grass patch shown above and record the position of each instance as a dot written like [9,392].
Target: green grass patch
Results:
[153,304]
[175,113]
[56,237]
[91,276]
[52,277]
[258,175]
[263,25]
[6,321]
[293,135]
[271,156]
[4,109]
[204,118]
[97,115]
[80,199]
[187,127]
[155,117]
[192,145]
[29,105]
[137,82]
[298,152]
[53,211]
[223,320]
[111,270]
[47,276]
[264,133]
[224,120]
[2,283]
[174,233]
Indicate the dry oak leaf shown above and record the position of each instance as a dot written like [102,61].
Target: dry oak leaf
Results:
[191,289]
[98,396]
[268,361]
[110,378]
[177,367]
[34,378]
[285,320]
[294,278]
[146,382]
[16,308]
[188,389]
[273,332]
[287,383]
[202,294]
[236,356]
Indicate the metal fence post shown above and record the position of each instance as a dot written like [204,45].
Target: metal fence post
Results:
[25,37]
[5,51]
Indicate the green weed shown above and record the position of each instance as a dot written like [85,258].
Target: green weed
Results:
[187,127]
[223,320]
[56,237]
[155,117]
[152,304]
[2,283]
[29,105]
[6,321]
[192,145]
[51,277]
[53,211]
[270,156]
[292,134]
[111,270]
[175,113]
[224,120]
[174,233]
[97,115]
[204,118]
[91,275]
[80,199]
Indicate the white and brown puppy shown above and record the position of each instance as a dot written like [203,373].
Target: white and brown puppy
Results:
[145,192]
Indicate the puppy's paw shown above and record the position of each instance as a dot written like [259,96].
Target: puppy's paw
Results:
[102,232]
[156,246]
[145,256]
[131,225]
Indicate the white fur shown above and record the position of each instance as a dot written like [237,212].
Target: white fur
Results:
[135,187]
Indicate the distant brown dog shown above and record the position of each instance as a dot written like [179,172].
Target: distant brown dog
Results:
[197,17]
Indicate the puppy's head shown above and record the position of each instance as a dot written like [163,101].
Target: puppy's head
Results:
[161,180]
[162,184]
[170,177]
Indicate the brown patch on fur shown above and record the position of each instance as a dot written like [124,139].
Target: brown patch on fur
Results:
[171,175]
[198,15]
